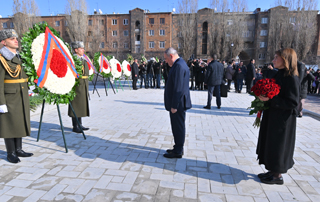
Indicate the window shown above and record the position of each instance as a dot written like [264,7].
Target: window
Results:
[89,22]
[180,34]
[162,32]
[11,25]
[114,22]
[161,44]
[151,44]
[57,23]
[262,56]
[151,21]
[115,44]
[101,45]
[125,22]
[262,44]
[101,22]
[247,34]
[126,33]
[162,20]
[89,33]
[125,45]
[4,25]
[151,32]
[229,22]
[263,33]
[114,33]
[293,20]
[264,20]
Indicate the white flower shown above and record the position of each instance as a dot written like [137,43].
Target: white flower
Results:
[126,68]
[90,72]
[107,71]
[116,69]
[53,83]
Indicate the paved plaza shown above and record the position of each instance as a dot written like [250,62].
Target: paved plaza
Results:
[121,159]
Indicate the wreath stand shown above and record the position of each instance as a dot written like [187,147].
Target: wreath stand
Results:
[128,81]
[119,83]
[61,124]
[104,83]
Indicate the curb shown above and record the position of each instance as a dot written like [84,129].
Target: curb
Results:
[311,114]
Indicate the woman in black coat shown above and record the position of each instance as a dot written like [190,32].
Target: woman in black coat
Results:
[278,126]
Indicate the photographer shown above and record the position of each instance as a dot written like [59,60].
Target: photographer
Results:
[268,71]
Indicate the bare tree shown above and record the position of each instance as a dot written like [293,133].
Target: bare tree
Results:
[187,27]
[26,13]
[293,26]
[227,30]
[96,34]
[77,20]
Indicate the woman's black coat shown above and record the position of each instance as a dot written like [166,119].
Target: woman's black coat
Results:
[278,126]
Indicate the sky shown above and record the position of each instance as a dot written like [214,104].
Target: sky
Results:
[54,7]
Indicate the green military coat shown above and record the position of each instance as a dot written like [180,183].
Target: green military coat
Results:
[80,103]
[16,122]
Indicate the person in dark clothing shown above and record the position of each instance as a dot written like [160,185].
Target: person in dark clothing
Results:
[192,73]
[157,73]
[250,76]
[268,72]
[143,73]
[135,73]
[165,69]
[150,74]
[196,70]
[239,76]
[310,81]
[213,79]
[277,132]
[304,87]
[201,75]
[316,81]
[229,74]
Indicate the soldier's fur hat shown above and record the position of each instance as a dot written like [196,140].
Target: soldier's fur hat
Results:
[77,44]
[7,33]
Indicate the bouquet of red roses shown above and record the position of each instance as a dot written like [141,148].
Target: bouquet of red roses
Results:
[264,87]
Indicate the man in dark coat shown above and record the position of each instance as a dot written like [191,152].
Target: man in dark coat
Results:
[157,72]
[213,79]
[177,100]
[306,75]
[250,76]
[143,73]
[135,73]
[14,97]
[150,74]
[80,103]
[239,74]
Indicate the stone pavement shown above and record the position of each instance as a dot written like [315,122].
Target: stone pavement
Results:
[121,159]
[312,106]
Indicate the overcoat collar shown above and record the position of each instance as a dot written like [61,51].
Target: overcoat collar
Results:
[6,53]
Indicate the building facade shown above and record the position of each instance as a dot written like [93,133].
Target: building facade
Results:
[143,33]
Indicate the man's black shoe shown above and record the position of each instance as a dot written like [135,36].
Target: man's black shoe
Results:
[22,153]
[207,107]
[171,151]
[272,180]
[172,155]
[264,175]
[84,128]
[77,130]
[13,158]
[135,89]
[218,107]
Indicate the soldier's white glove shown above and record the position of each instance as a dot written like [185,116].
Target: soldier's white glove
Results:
[3,109]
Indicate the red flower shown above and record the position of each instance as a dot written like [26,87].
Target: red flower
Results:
[118,67]
[58,64]
[35,81]
[105,65]
[128,67]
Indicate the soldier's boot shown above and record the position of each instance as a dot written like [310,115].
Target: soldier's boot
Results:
[11,150]
[80,121]
[75,125]
[19,151]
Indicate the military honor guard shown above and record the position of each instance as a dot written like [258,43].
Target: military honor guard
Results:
[14,97]
[80,103]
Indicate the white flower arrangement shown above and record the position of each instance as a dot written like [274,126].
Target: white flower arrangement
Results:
[126,68]
[116,69]
[53,83]
[105,70]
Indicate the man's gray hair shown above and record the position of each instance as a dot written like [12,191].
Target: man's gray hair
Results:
[171,51]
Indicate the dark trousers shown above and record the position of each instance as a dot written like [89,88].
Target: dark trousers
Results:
[143,79]
[216,90]
[158,80]
[239,84]
[192,82]
[249,85]
[178,130]
[134,83]
[149,80]
[229,84]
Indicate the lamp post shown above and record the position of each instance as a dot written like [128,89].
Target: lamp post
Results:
[231,49]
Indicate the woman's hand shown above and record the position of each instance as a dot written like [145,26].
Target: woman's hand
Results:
[263,98]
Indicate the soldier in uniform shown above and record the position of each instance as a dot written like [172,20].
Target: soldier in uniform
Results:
[14,97]
[80,103]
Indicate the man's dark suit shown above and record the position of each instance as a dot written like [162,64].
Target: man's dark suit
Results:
[177,96]
[135,71]
[251,72]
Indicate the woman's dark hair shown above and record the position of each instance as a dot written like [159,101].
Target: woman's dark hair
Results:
[289,57]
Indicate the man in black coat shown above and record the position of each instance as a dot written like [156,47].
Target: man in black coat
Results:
[135,73]
[213,79]
[177,100]
[157,72]
[143,73]
[150,74]
[250,76]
